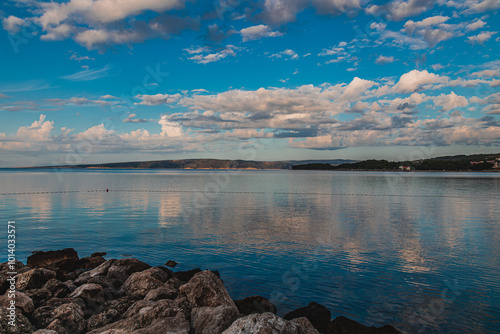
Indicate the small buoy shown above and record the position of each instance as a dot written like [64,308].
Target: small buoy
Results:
[107,190]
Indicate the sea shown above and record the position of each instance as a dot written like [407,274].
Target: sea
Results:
[418,250]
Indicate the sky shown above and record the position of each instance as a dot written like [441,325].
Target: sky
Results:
[91,81]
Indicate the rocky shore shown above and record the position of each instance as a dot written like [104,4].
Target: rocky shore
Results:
[58,292]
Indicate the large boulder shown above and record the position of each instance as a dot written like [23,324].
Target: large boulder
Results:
[68,319]
[143,314]
[22,302]
[101,270]
[169,325]
[163,292]
[109,312]
[318,315]
[343,325]
[39,296]
[140,283]
[92,294]
[212,320]
[34,279]
[255,304]
[206,289]
[57,288]
[41,259]
[265,323]
[43,316]
[22,324]
[123,268]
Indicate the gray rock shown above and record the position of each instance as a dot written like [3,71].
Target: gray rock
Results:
[206,289]
[264,323]
[68,319]
[163,292]
[102,319]
[39,296]
[34,279]
[123,268]
[58,288]
[101,270]
[212,320]
[140,283]
[89,292]
[22,324]
[306,325]
[22,302]
[170,325]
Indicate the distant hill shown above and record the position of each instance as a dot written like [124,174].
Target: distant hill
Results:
[476,162]
[201,164]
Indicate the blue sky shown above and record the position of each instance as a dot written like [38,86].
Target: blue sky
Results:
[86,81]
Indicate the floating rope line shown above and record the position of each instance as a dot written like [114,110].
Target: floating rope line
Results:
[244,192]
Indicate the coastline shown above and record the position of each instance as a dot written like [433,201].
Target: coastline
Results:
[58,292]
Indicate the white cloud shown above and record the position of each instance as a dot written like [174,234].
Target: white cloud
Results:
[58,33]
[288,53]
[482,37]
[416,80]
[475,25]
[158,99]
[103,11]
[200,58]
[356,87]
[89,75]
[486,73]
[81,101]
[397,10]
[437,67]
[98,132]
[410,26]
[450,101]
[13,24]
[258,32]
[38,130]
[473,6]
[384,60]
[168,128]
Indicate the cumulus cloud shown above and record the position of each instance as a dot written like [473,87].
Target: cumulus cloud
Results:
[481,38]
[38,130]
[258,32]
[416,80]
[13,24]
[475,25]
[410,26]
[450,101]
[97,24]
[397,10]
[102,11]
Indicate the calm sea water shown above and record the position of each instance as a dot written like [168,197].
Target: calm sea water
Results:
[416,250]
